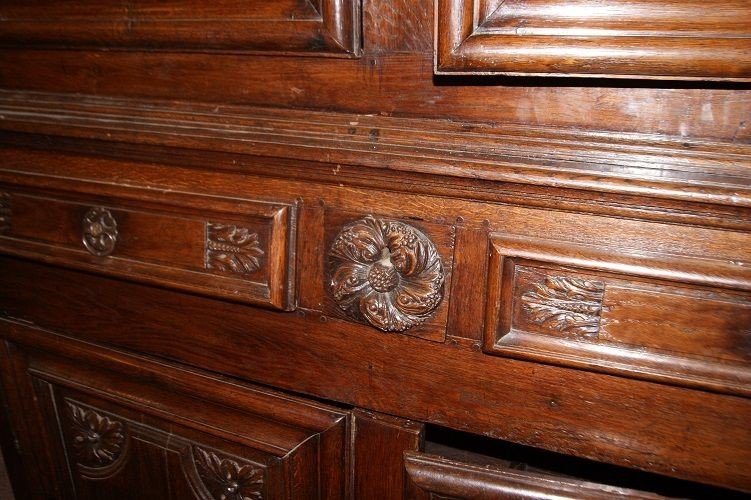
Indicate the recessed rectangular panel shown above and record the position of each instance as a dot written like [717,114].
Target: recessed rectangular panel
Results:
[237,249]
[642,315]
[319,27]
[688,39]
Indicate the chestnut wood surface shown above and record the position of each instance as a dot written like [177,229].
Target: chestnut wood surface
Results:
[337,199]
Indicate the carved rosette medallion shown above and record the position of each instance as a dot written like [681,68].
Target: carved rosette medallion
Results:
[232,249]
[99,231]
[385,272]
[97,440]
[565,304]
[5,212]
[227,479]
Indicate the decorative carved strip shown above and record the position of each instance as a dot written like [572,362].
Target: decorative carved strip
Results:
[228,479]
[99,231]
[386,273]
[232,249]
[97,440]
[566,304]
[5,213]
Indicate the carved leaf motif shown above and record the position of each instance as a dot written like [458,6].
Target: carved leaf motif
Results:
[566,304]
[97,439]
[227,479]
[386,273]
[5,212]
[232,249]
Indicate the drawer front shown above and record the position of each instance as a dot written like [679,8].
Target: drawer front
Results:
[684,320]
[240,250]
[118,426]
[326,26]
[433,477]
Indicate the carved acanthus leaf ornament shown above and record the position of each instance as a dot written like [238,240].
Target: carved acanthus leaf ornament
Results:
[566,304]
[232,249]
[385,272]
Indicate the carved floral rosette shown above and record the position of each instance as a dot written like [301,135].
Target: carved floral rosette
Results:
[385,272]
[98,441]
[224,478]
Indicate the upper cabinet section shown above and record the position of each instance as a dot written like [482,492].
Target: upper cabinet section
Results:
[321,27]
[675,39]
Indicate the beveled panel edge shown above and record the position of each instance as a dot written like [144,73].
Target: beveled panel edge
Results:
[645,166]
[733,378]
[462,47]
[334,32]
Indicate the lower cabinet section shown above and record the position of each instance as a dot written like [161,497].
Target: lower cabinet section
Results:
[96,424]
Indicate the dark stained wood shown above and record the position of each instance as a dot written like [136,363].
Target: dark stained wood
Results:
[314,196]
[623,38]
[560,409]
[152,429]
[379,443]
[318,27]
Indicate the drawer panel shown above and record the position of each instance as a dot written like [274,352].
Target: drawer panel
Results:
[329,26]
[102,424]
[239,249]
[681,319]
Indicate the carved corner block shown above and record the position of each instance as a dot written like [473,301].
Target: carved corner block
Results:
[385,273]
[98,442]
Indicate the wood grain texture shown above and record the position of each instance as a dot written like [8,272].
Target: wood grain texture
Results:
[591,415]
[324,27]
[388,84]
[379,442]
[625,38]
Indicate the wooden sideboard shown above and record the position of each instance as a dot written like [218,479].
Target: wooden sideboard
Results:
[375,249]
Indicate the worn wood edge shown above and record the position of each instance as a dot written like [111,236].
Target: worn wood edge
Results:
[696,171]
[442,475]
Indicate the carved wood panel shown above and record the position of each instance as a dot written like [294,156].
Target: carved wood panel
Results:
[328,27]
[648,316]
[621,38]
[242,250]
[123,427]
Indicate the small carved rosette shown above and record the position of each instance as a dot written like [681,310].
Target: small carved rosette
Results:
[228,479]
[98,440]
[99,231]
[386,273]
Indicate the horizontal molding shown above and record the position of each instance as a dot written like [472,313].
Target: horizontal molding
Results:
[652,167]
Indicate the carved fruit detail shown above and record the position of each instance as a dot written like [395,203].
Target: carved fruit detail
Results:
[4,212]
[232,249]
[99,231]
[566,304]
[226,479]
[97,439]
[386,273]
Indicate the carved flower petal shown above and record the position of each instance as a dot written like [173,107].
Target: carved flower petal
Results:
[378,308]
[360,242]
[349,281]
[417,297]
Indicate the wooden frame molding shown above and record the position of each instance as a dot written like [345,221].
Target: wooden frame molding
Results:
[321,27]
[679,39]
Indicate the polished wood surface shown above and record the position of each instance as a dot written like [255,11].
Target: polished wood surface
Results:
[617,39]
[315,250]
